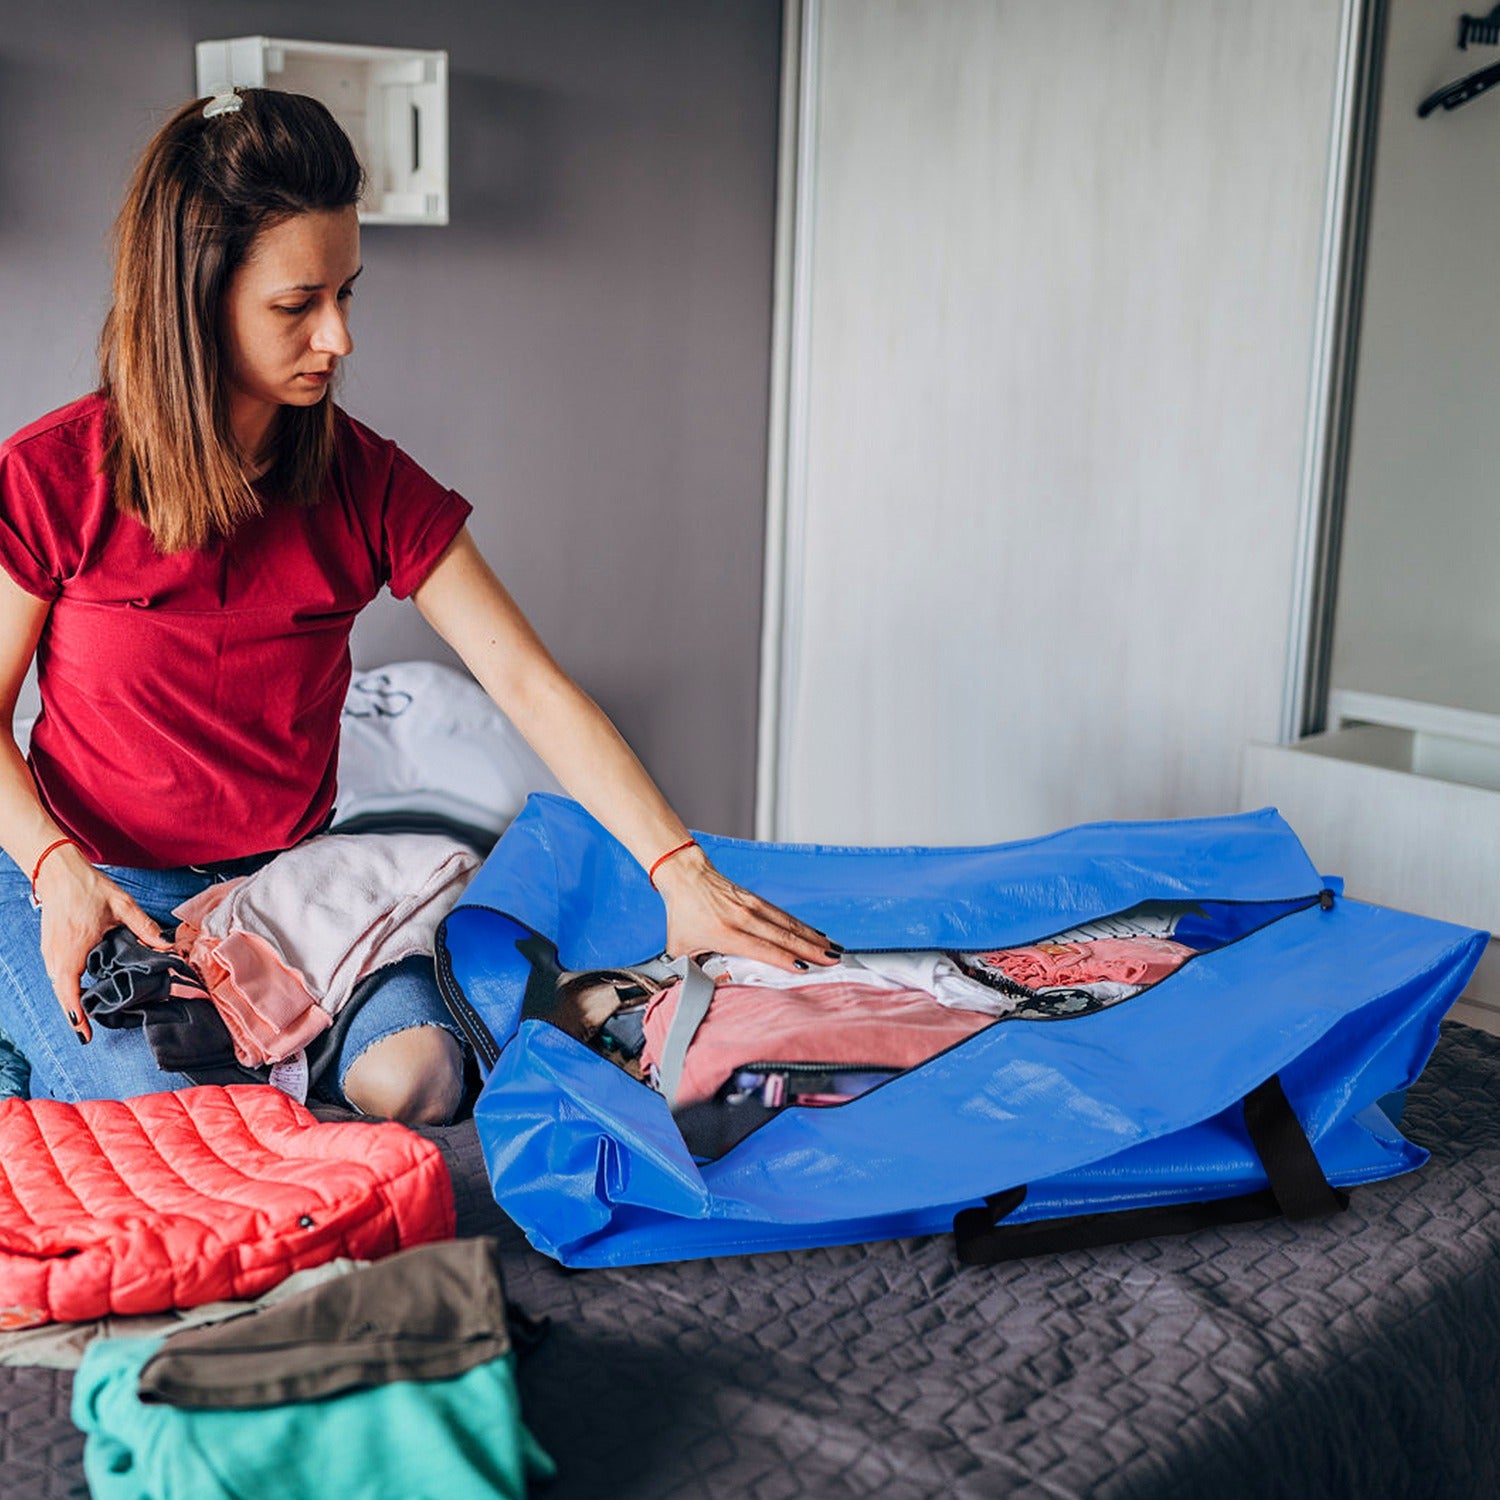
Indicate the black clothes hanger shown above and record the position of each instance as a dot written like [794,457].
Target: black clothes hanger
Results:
[1484,29]
[1451,95]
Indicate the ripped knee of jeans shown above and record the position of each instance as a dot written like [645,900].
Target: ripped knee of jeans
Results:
[414,1076]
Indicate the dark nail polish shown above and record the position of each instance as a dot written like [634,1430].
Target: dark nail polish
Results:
[73,1017]
[834,952]
[83,1040]
[801,963]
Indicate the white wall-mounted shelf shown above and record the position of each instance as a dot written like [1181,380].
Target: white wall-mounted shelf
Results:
[392,102]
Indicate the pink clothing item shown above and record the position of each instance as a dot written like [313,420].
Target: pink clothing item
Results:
[265,1006]
[834,1025]
[1134,960]
[281,950]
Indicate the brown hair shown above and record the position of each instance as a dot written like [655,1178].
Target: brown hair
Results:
[202,191]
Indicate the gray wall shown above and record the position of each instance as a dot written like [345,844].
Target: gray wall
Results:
[1417,616]
[583,351]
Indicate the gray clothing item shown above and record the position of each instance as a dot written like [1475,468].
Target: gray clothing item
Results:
[60,1346]
[430,1313]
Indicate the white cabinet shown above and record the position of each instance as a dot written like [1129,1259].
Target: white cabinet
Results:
[392,102]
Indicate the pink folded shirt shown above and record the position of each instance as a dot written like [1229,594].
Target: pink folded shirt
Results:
[1132,960]
[838,1025]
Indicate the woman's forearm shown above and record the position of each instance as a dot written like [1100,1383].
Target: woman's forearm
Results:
[588,755]
[468,606]
[471,609]
[26,827]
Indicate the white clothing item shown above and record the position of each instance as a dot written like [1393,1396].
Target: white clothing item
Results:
[281,950]
[290,1075]
[728,968]
[942,978]
[927,970]
[1110,991]
[1157,919]
[416,736]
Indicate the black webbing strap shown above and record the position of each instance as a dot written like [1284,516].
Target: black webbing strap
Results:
[1298,1190]
[1297,1181]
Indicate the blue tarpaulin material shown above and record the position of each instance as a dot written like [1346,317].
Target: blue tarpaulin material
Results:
[1133,1106]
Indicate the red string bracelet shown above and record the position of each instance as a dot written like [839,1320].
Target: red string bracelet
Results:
[651,873]
[42,856]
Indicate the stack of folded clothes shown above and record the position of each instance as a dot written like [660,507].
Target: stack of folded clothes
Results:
[394,1380]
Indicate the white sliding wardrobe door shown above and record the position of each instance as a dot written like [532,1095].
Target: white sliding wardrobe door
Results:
[1059,264]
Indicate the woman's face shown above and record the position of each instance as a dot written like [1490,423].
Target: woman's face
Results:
[285,317]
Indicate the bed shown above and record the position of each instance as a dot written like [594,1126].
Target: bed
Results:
[1352,1357]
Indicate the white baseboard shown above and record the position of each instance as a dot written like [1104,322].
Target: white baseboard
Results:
[1482,1017]
[1480,1005]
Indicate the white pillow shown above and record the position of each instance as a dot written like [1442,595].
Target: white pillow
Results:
[416,736]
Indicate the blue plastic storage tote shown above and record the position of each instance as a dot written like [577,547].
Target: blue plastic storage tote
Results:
[1325,1002]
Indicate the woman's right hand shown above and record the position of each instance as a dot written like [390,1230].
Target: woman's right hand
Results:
[79,905]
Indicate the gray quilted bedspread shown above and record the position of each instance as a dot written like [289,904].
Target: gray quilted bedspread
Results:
[1354,1357]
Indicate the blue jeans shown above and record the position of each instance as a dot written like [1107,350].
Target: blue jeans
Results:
[119,1064]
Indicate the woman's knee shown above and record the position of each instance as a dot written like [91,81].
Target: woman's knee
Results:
[415,1076]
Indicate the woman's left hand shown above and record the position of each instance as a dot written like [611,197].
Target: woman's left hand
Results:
[707,913]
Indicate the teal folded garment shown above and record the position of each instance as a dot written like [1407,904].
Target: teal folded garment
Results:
[408,1440]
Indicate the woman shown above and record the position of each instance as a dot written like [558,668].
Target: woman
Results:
[184,552]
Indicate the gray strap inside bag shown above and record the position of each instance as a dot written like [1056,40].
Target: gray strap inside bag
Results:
[692,1005]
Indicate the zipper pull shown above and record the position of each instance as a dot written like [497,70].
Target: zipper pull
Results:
[1325,900]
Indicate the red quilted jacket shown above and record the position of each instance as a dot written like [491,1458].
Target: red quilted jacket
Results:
[172,1200]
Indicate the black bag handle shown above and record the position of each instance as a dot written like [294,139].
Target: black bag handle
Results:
[1298,1189]
[1297,1181]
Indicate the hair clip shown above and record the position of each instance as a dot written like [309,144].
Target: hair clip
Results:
[222,104]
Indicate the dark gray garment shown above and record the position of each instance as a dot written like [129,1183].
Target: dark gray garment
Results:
[430,1313]
[128,985]
[131,987]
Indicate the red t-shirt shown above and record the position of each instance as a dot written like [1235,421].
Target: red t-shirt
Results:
[190,703]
